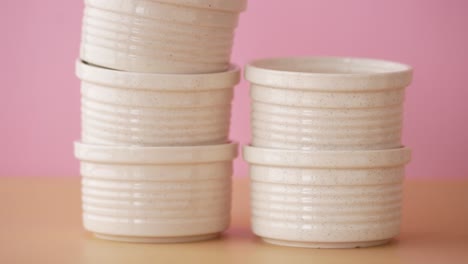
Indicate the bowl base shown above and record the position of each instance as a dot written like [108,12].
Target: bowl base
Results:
[162,240]
[361,244]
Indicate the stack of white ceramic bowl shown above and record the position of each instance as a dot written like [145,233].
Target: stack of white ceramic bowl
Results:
[326,160]
[157,86]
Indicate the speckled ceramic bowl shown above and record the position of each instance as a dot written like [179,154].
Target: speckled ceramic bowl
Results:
[123,108]
[156,194]
[327,103]
[162,36]
[326,199]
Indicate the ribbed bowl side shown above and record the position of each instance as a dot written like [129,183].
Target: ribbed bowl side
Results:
[316,128]
[156,200]
[326,205]
[154,118]
[201,126]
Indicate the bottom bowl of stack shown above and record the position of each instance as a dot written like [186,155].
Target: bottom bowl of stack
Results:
[326,199]
[156,194]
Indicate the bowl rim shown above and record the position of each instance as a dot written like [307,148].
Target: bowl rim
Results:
[225,5]
[155,155]
[352,159]
[280,72]
[91,73]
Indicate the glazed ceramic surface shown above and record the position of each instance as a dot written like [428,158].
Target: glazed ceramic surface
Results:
[123,108]
[329,199]
[327,103]
[182,36]
[156,194]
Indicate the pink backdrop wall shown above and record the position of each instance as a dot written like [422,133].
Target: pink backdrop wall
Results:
[39,102]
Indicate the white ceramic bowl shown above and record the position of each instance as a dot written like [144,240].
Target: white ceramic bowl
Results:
[123,108]
[156,194]
[164,36]
[326,199]
[327,103]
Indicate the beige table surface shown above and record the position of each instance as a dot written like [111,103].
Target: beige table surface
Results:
[41,223]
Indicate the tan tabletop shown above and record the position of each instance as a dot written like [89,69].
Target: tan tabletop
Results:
[41,223]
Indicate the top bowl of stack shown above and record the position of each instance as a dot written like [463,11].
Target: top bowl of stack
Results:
[327,103]
[160,36]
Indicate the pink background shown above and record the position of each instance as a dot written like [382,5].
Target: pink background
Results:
[39,102]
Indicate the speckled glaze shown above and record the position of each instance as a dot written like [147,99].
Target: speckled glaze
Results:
[327,103]
[182,36]
[326,199]
[123,108]
[156,194]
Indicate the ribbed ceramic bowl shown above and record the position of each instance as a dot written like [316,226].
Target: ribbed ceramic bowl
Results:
[123,108]
[327,103]
[156,194]
[162,36]
[326,199]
